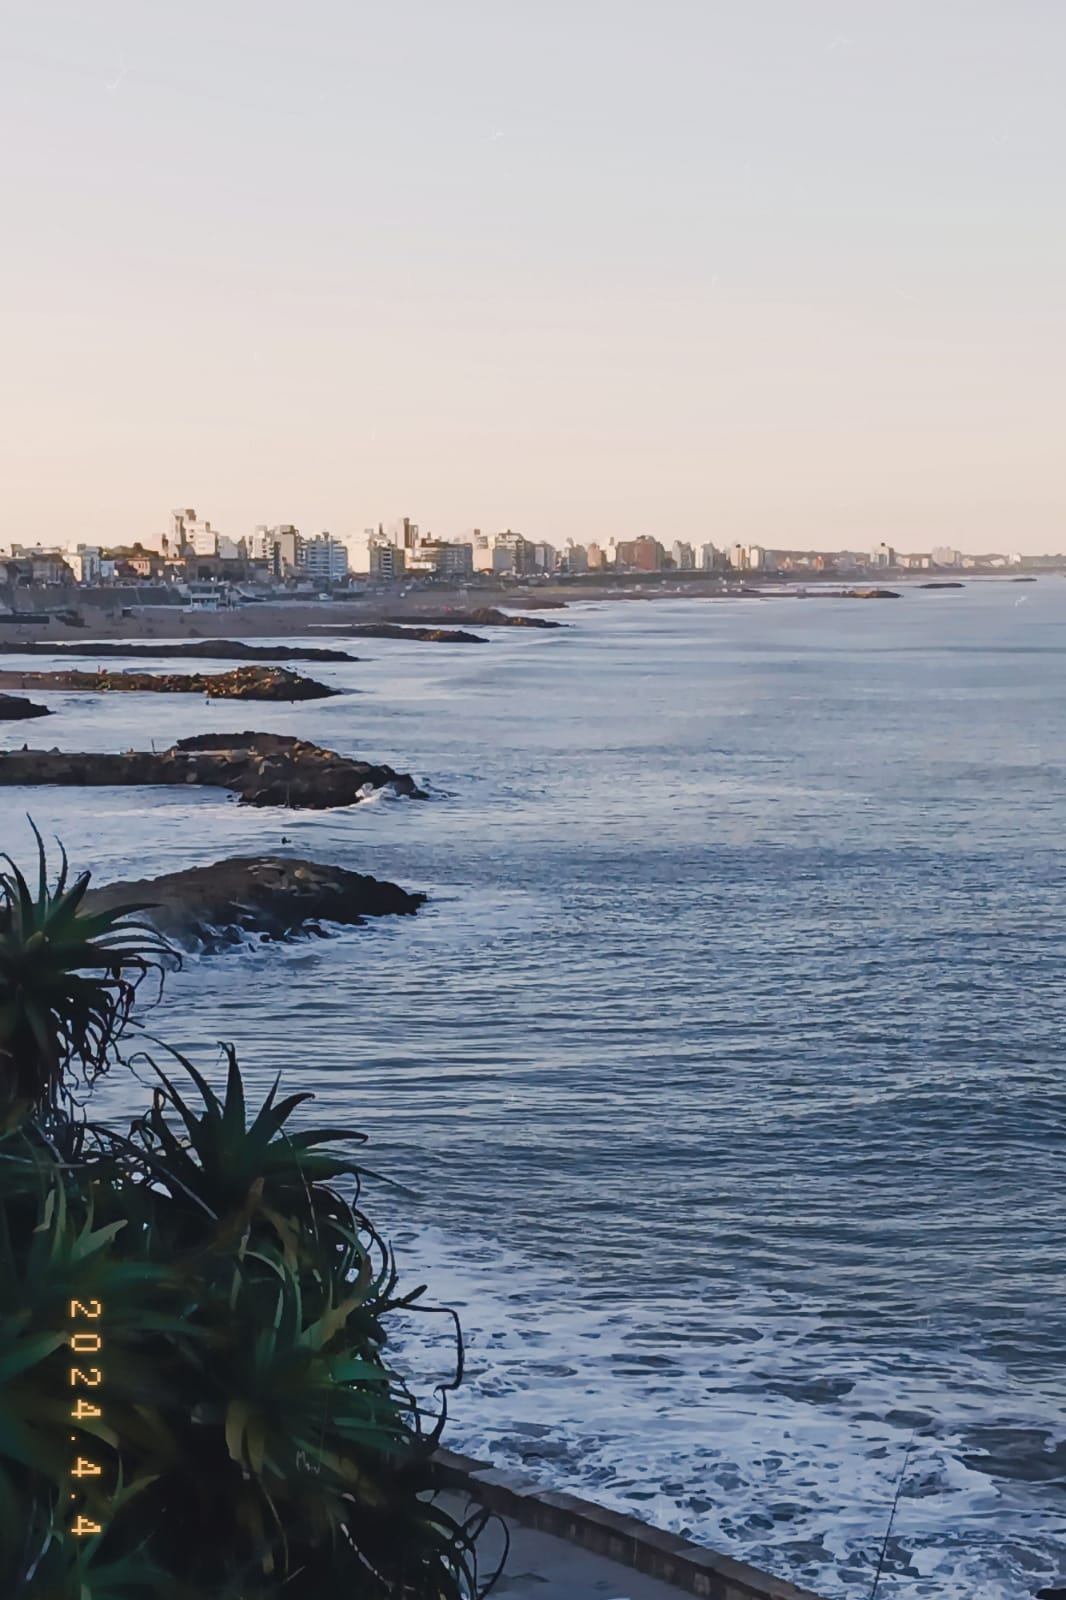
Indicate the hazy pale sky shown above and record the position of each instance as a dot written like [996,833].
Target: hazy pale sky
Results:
[782,270]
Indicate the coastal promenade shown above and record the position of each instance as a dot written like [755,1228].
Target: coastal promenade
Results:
[583,1551]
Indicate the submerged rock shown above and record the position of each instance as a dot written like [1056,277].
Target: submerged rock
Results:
[197,649]
[393,630]
[243,683]
[15,709]
[272,896]
[482,617]
[262,769]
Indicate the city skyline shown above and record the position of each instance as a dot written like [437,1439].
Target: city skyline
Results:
[785,276]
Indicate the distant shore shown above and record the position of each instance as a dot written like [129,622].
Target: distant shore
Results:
[292,618]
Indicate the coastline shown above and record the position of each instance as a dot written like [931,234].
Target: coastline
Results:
[118,615]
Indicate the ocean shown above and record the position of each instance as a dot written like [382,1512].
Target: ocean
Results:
[723,1070]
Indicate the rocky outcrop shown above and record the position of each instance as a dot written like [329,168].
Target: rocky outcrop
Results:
[393,630]
[948,583]
[194,649]
[262,769]
[14,709]
[269,896]
[869,594]
[483,617]
[243,683]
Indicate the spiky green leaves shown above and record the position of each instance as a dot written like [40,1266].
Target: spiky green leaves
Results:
[68,979]
[247,1392]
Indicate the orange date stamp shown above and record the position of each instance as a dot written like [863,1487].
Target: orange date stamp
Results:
[85,1340]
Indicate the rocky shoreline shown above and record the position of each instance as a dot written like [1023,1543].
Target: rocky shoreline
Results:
[261,769]
[204,650]
[272,897]
[243,683]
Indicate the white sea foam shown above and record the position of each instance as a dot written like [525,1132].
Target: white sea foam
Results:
[739,1444]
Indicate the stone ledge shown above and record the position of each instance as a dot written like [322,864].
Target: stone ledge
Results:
[673,1560]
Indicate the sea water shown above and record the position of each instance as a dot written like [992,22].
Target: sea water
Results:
[723,1069]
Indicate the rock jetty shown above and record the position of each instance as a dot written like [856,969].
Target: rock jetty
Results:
[261,769]
[869,594]
[271,896]
[483,617]
[13,708]
[393,630]
[192,649]
[243,683]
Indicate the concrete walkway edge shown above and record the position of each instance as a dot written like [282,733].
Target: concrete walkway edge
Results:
[672,1560]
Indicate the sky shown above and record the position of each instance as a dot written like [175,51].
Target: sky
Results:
[780,271]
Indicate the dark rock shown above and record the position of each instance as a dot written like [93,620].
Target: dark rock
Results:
[869,594]
[947,583]
[202,649]
[243,683]
[393,630]
[483,617]
[263,769]
[15,709]
[271,896]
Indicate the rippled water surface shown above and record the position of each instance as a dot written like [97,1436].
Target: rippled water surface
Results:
[725,1061]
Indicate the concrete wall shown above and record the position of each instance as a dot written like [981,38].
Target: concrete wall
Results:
[686,1566]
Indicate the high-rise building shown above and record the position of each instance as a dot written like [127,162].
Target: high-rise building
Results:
[442,559]
[683,556]
[482,548]
[512,553]
[325,559]
[280,547]
[387,561]
[642,555]
[188,535]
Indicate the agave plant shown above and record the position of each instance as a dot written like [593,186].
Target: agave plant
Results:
[248,1391]
[243,1297]
[68,981]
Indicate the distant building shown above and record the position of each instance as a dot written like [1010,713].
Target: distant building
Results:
[441,559]
[595,558]
[513,554]
[388,561]
[84,560]
[481,545]
[883,555]
[281,547]
[683,555]
[133,561]
[325,559]
[35,564]
[944,556]
[188,535]
[640,555]
[914,562]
